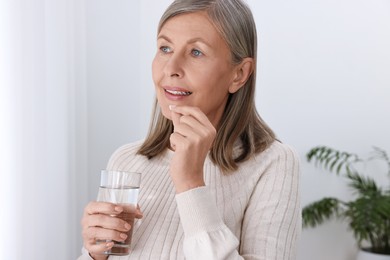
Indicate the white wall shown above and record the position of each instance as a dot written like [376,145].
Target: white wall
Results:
[323,79]
[41,135]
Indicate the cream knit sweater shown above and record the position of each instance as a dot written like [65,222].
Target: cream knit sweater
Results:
[253,213]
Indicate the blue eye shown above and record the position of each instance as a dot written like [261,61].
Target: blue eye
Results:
[196,52]
[165,49]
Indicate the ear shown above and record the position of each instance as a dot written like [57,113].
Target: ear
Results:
[242,73]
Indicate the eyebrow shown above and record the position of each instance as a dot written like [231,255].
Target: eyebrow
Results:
[193,40]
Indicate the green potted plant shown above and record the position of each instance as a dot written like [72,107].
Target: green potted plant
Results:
[368,214]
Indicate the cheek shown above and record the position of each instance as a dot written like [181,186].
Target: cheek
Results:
[161,102]
[155,70]
[157,76]
[164,109]
[215,83]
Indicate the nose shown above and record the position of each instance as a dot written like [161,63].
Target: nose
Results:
[174,66]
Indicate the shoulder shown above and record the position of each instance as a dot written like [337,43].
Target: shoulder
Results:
[278,157]
[127,149]
[125,155]
[280,151]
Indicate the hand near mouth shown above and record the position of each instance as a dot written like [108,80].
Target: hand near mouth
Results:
[191,140]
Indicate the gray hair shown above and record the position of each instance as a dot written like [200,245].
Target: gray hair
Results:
[232,18]
[240,121]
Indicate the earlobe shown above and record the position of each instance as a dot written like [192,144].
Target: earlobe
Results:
[243,71]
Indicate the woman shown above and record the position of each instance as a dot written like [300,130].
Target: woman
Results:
[216,183]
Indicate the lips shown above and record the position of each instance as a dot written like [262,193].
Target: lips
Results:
[178,92]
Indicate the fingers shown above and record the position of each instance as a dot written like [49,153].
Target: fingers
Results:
[98,249]
[92,234]
[97,207]
[188,110]
[192,112]
[138,213]
[108,222]
[103,215]
[100,223]
[191,127]
[175,116]
[97,239]
[191,120]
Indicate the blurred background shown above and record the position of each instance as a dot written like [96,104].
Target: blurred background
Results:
[75,84]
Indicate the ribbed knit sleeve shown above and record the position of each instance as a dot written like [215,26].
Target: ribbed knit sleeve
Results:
[271,222]
[206,235]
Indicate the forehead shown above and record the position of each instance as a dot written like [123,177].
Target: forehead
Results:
[194,25]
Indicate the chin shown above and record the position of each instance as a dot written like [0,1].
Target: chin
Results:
[166,112]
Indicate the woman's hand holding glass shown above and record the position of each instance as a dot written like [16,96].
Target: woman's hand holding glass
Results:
[99,223]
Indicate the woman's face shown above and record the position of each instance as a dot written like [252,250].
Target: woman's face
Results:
[192,66]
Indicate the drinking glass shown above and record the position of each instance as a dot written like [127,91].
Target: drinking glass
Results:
[121,188]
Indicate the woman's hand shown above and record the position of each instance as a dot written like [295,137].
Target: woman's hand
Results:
[191,140]
[99,223]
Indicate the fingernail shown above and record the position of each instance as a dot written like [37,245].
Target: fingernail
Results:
[127,226]
[123,235]
[118,209]
[171,107]
[110,244]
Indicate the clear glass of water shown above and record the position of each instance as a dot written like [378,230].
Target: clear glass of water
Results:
[121,188]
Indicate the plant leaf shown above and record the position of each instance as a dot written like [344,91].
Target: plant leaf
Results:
[317,212]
